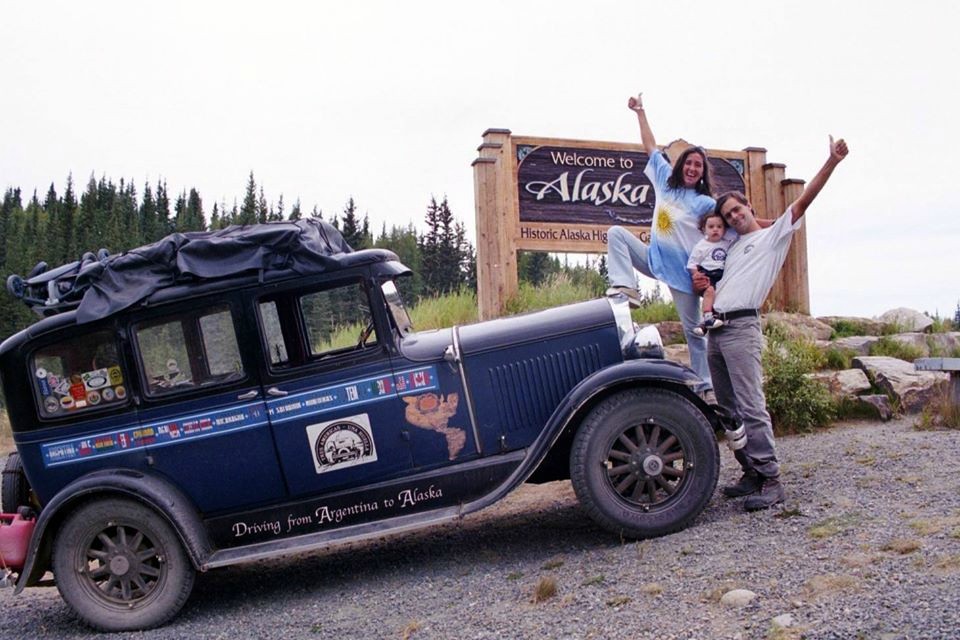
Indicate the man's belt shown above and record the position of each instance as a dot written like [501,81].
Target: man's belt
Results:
[739,313]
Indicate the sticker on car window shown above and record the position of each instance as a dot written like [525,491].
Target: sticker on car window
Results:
[342,443]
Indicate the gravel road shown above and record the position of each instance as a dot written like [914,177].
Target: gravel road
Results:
[867,546]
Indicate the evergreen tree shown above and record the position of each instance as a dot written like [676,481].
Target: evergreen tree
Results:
[295,213]
[956,317]
[248,212]
[68,216]
[164,221]
[276,216]
[195,218]
[215,218]
[353,232]
[263,213]
[148,216]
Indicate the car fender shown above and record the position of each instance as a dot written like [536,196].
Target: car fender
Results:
[590,390]
[148,489]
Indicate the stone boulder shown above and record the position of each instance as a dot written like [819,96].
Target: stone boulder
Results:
[878,403]
[858,344]
[907,319]
[671,332]
[799,326]
[913,339]
[865,326]
[944,345]
[848,383]
[899,379]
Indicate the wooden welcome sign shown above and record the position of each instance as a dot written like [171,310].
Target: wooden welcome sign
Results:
[548,194]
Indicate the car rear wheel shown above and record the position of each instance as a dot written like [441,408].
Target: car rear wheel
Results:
[644,463]
[121,566]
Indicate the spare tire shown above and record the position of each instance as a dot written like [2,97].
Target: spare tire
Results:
[14,490]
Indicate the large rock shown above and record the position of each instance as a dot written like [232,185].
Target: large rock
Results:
[913,339]
[799,326]
[907,319]
[864,326]
[944,345]
[878,403]
[671,332]
[912,389]
[858,344]
[848,383]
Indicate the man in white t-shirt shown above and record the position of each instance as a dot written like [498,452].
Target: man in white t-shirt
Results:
[733,351]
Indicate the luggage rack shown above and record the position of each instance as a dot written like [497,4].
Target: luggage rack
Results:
[51,291]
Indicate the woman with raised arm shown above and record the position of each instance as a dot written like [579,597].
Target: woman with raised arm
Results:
[683,194]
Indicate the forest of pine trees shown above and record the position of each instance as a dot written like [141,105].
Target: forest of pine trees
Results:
[61,226]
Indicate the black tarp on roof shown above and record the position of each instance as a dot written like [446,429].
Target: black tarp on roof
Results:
[305,246]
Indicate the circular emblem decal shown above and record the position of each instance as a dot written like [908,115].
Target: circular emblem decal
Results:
[108,395]
[51,404]
[121,392]
[343,442]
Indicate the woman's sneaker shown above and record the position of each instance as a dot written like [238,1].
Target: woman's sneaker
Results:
[631,294]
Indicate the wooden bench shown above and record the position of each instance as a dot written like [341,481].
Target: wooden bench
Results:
[949,365]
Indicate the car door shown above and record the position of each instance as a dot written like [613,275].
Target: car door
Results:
[331,393]
[203,416]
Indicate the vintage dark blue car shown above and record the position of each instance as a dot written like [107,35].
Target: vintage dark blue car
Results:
[222,397]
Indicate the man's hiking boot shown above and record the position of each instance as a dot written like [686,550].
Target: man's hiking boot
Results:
[772,493]
[631,294]
[749,482]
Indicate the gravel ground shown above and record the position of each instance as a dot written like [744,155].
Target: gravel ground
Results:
[867,546]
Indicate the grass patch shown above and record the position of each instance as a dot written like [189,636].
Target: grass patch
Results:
[412,627]
[553,564]
[656,311]
[594,581]
[546,589]
[652,589]
[445,311]
[835,525]
[619,601]
[830,583]
[557,290]
[514,575]
[948,563]
[902,546]
[887,346]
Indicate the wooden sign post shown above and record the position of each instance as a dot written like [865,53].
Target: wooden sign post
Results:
[557,195]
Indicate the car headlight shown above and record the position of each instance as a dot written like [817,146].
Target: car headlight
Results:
[647,343]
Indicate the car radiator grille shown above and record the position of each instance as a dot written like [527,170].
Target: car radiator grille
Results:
[528,391]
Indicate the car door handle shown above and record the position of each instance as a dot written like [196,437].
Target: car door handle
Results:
[249,395]
[273,391]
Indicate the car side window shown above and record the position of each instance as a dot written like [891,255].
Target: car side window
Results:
[299,327]
[79,374]
[189,349]
[338,319]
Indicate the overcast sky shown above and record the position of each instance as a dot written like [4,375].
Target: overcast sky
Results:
[387,101]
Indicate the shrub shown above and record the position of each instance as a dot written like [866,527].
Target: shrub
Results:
[838,359]
[847,328]
[887,346]
[795,402]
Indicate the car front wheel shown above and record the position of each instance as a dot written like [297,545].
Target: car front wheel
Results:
[121,566]
[644,463]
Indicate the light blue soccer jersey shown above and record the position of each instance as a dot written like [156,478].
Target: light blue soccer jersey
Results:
[674,229]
